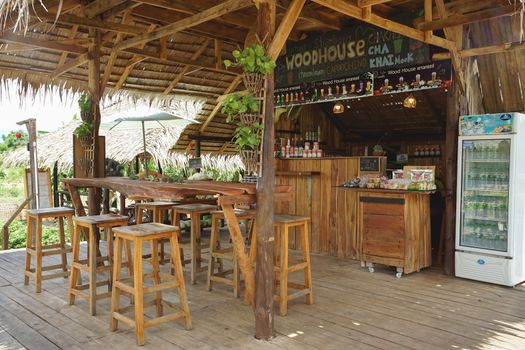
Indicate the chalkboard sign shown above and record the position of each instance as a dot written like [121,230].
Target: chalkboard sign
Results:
[195,163]
[369,164]
[44,187]
[347,52]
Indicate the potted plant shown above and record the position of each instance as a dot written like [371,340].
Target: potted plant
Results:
[255,65]
[247,139]
[84,131]
[246,106]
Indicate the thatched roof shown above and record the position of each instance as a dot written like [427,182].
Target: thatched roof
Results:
[121,145]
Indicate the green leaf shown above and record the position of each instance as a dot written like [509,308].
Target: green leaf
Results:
[227,63]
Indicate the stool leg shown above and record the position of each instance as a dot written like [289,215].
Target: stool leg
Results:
[156,274]
[92,271]
[139,292]
[308,269]
[138,214]
[129,259]
[109,237]
[195,246]
[180,281]
[75,272]
[283,285]
[115,294]
[62,238]
[70,229]
[29,245]
[236,277]
[38,245]
[213,246]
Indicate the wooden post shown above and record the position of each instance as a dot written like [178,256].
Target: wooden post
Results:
[264,270]
[56,202]
[94,195]
[33,160]
[456,106]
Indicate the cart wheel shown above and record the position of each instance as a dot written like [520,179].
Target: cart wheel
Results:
[399,274]
[371,269]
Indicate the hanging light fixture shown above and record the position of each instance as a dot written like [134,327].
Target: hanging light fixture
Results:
[338,108]
[410,101]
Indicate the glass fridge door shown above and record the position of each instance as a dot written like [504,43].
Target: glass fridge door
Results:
[485,197]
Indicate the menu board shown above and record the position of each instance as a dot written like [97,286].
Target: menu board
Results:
[345,53]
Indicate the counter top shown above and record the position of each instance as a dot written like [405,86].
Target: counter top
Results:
[385,190]
[297,173]
[318,158]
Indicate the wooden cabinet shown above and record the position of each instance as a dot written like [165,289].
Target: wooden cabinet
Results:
[394,228]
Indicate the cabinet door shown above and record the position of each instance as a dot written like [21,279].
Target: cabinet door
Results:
[383,229]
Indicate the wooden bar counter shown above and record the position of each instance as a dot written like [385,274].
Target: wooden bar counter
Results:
[389,227]
[394,228]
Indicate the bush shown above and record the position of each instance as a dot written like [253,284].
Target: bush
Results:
[18,231]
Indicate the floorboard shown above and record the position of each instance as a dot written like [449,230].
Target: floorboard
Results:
[353,309]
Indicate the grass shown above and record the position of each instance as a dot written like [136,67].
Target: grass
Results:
[18,231]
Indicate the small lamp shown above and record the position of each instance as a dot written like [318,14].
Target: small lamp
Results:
[338,108]
[410,101]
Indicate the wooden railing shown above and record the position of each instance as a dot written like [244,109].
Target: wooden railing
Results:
[5,228]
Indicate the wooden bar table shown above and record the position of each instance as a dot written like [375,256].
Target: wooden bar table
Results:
[228,194]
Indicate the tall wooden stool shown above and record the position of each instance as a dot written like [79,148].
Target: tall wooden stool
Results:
[159,210]
[283,223]
[34,244]
[138,234]
[195,211]
[93,264]
[218,254]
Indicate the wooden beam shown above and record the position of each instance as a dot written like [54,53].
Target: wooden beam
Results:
[80,60]
[264,268]
[186,68]
[223,147]
[285,28]
[204,16]
[163,48]
[461,19]
[126,19]
[44,44]
[63,56]
[93,23]
[131,63]
[233,85]
[428,17]
[456,36]
[99,6]
[345,7]
[481,51]
[368,3]
[218,53]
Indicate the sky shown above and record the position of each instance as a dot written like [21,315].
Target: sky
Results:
[50,113]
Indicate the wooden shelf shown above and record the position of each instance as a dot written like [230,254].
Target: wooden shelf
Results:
[411,156]
[297,173]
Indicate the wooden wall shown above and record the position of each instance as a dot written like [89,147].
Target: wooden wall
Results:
[309,118]
[332,210]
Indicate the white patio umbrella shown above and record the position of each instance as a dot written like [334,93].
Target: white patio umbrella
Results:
[145,118]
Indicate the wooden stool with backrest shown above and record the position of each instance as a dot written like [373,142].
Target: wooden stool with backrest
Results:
[282,225]
[138,235]
[94,264]
[35,248]
[195,211]
[218,254]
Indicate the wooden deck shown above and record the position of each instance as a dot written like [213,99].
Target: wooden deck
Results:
[353,310]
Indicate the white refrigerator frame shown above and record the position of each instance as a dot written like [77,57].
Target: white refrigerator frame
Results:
[511,246]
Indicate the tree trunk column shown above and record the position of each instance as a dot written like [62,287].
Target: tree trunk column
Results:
[264,274]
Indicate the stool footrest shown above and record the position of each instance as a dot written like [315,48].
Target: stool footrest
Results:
[224,280]
[86,286]
[56,251]
[55,275]
[131,307]
[163,319]
[125,319]
[161,287]
[48,267]
[226,253]
[126,288]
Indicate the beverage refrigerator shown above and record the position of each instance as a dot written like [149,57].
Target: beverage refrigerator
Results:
[490,242]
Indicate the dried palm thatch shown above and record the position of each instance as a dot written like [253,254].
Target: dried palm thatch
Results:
[121,145]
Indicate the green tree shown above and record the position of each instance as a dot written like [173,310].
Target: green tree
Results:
[10,141]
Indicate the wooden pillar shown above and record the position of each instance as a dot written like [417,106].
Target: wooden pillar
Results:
[264,274]
[94,195]
[56,202]
[456,106]
[33,160]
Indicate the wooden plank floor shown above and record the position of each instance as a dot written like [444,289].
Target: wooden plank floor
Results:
[353,310]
